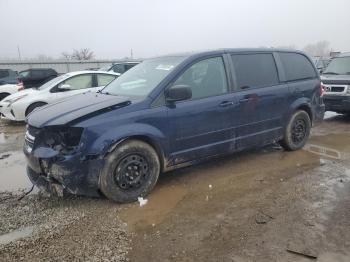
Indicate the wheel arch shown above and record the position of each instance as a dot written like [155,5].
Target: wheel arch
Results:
[301,104]
[31,104]
[4,93]
[307,109]
[146,139]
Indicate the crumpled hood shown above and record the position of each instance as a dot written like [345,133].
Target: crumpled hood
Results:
[75,108]
[336,79]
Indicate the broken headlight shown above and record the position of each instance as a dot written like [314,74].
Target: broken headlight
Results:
[62,139]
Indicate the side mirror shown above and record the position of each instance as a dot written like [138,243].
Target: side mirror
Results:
[178,93]
[64,87]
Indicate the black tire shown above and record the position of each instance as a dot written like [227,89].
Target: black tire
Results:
[131,171]
[33,106]
[3,95]
[297,131]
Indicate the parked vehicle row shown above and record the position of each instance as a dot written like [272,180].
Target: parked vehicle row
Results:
[11,81]
[170,112]
[18,106]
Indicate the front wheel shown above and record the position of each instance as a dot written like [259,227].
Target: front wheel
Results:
[297,131]
[131,171]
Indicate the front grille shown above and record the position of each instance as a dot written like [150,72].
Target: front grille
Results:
[334,89]
[337,88]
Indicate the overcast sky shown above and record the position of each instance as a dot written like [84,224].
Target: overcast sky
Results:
[154,27]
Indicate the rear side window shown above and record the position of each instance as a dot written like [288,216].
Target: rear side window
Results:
[255,70]
[297,66]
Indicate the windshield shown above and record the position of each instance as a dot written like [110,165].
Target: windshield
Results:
[143,78]
[53,82]
[339,66]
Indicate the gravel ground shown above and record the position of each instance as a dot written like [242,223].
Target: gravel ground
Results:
[63,229]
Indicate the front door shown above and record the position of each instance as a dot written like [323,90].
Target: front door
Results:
[202,126]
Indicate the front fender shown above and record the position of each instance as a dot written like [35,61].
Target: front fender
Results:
[105,141]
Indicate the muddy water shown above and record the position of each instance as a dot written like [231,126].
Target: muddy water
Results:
[12,163]
[209,212]
[13,172]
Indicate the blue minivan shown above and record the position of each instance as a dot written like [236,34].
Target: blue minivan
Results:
[169,112]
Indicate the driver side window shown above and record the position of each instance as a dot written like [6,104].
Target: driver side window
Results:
[77,82]
[205,78]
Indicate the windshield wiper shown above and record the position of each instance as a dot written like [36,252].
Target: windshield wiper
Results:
[330,73]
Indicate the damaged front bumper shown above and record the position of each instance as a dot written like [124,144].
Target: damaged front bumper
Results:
[55,172]
[69,173]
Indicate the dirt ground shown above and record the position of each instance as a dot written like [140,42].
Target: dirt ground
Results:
[260,205]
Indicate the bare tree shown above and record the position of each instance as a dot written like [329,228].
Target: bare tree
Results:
[66,55]
[83,54]
[321,48]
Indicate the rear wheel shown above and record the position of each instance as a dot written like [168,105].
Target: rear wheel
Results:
[3,95]
[297,131]
[33,106]
[131,171]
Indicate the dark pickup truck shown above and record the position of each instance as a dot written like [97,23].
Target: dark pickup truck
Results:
[336,84]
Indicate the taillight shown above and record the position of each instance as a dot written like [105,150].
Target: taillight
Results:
[321,89]
[20,86]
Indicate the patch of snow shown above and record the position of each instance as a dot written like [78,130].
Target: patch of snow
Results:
[142,201]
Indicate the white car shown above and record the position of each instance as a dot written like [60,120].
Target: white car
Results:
[16,107]
[9,89]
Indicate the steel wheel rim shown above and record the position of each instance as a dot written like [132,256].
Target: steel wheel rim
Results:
[131,172]
[298,131]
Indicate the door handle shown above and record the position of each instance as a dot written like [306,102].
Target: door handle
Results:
[243,100]
[226,103]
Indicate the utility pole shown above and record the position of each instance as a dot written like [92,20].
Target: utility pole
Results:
[19,53]
[131,54]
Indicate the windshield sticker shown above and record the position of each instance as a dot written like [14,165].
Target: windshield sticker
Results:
[164,67]
[133,84]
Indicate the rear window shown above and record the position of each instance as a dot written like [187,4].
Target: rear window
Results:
[255,70]
[297,66]
[39,73]
[4,73]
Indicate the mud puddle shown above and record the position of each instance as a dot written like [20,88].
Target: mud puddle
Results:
[219,211]
[13,172]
